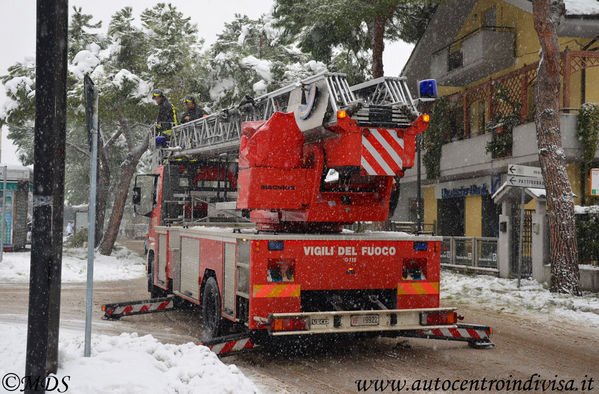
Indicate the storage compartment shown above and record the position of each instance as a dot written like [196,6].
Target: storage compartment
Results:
[190,267]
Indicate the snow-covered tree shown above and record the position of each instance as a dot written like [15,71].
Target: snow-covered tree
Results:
[118,64]
[352,33]
[251,57]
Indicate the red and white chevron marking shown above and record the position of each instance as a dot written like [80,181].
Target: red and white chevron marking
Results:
[382,152]
[465,333]
[232,346]
[140,308]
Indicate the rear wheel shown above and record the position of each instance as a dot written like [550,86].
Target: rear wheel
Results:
[211,317]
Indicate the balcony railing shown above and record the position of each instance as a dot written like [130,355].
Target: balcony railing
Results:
[478,106]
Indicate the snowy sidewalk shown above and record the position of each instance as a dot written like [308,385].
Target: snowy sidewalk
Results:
[122,265]
[503,295]
[128,364]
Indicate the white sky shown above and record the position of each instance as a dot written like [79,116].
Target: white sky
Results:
[18,32]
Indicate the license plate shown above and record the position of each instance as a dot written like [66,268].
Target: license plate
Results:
[365,320]
[320,322]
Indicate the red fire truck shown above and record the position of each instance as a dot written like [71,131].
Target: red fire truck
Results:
[248,209]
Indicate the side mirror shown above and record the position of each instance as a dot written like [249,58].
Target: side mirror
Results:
[136,195]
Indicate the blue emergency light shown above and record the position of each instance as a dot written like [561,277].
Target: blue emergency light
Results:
[428,89]
[276,245]
[420,246]
[161,141]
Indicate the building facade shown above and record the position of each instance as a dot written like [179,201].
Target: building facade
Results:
[484,55]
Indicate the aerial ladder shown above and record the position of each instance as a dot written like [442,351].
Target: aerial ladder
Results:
[315,102]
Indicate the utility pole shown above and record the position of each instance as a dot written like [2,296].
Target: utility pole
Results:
[91,114]
[50,109]
[62,25]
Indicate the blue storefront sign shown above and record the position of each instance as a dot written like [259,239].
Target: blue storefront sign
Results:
[473,187]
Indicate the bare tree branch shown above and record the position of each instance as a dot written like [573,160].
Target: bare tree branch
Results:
[78,149]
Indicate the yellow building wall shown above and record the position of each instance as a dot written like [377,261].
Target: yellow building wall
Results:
[592,85]
[473,216]
[527,46]
[573,170]
[430,205]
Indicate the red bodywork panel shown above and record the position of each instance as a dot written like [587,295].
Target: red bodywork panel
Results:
[344,265]
[281,177]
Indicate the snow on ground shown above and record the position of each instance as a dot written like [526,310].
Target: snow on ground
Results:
[582,7]
[503,295]
[128,364]
[592,209]
[122,265]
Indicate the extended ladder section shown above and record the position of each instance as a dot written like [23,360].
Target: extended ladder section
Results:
[315,101]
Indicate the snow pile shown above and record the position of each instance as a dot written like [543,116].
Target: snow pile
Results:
[593,209]
[129,364]
[582,7]
[13,85]
[84,62]
[8,106]
[503,294]
[242,35]
[122,265]
[142,88]
[298,71]
[260,87]
[262,67]
[220,89]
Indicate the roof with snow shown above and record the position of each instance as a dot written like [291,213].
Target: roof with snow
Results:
[574,8]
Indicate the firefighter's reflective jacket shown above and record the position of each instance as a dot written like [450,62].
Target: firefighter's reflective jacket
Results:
[167,117]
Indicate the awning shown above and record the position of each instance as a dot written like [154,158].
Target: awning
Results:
[512,193]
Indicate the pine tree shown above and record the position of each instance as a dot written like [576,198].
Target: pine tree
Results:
[81,31]
[560,199]
[251,57]
[341,32]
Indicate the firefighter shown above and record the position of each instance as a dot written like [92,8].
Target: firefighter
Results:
[167,114]
[193,111]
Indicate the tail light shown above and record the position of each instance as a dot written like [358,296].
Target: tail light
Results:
[289,324]
[438,318]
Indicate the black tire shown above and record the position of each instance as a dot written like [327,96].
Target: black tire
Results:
[211,316]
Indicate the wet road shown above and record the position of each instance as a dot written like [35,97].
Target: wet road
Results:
[525,345]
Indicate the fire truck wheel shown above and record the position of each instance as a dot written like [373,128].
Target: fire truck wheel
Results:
[211,317]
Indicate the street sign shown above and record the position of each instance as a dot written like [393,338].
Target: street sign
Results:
[595,182]
[518,170]
[526,181]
